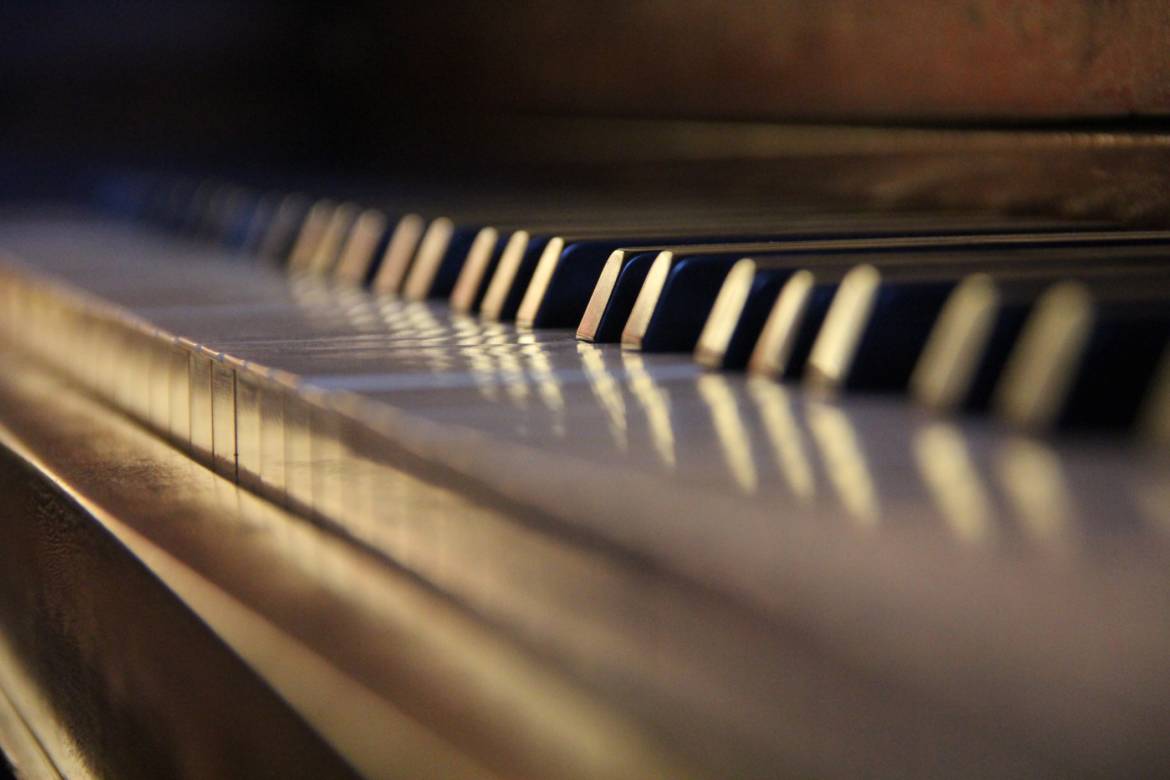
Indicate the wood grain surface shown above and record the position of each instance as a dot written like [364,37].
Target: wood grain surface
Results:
[904,59]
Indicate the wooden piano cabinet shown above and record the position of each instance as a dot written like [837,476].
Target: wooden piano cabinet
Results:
[112,674]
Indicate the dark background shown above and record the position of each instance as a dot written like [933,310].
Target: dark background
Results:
[249,89]
[224,80]
[363,83]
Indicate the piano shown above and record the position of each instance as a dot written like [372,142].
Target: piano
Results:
[663,390]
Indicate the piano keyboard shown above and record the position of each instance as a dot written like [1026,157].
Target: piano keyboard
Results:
[747,396]
[462,320]
[832,301]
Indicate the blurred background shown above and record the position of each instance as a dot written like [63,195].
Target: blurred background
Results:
[347,81]
[253,86]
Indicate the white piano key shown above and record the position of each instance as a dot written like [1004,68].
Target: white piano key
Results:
[248,436]
[272,435]
[179,374]
[199,386]
[223,414]
[298,456]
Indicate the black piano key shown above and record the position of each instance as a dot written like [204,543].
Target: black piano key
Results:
[325,254]
[505,291]
[367,240]
[309,235]
[393,273]
[875,329]
[559,293]
[400,237]
[427,254]
[675,301]
[788,334]
[552,286]
[502,294]
[910,250]
[738,314]
[1085,360]
[559,297]
[276,245]
[473,242]
[878,322]
[775,325]
[445,254]
[625,294]
[259,222]
[243,211]
[1118,365]
[678,327]
[969,345]
[482,260]
[614,296]
[983,319]
[433,274]
[232,215]
[877,326]
[1154,421]
[410,236]
[465,254]
[772,356]
[562,302]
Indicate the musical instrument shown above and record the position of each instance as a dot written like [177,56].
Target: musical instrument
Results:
[637,448]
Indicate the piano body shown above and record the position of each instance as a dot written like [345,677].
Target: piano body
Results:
[568,390]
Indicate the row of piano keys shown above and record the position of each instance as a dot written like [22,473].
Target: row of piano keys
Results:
[1046,323]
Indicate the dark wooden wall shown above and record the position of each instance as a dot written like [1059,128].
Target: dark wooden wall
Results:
[352,82]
